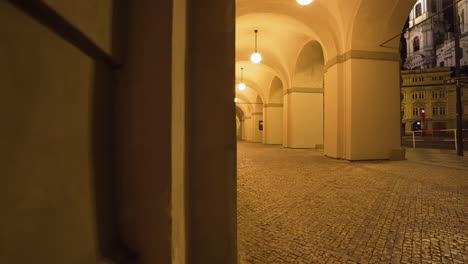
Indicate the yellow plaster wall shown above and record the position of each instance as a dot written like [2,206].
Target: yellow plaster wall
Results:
[178,132]
[372,108]
[273,125]
[93,18]
[333,106]
[305,120]
[46,193]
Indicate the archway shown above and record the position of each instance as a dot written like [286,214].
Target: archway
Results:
[257,120]
[273,114]
[304,100]
[240,123]
[371,83]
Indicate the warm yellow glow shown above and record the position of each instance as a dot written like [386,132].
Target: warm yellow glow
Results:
[256,58]
[235,100]
[242,86]
[304,2]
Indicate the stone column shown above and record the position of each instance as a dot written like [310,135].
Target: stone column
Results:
[247,132]
[305,117]
[334,110]
[363,106]
[257,134]
[144,131]
[211,153]
[273,124]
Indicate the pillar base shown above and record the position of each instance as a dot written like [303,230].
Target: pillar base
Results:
[398,154]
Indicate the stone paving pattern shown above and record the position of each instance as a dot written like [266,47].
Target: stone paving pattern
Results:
[297,206]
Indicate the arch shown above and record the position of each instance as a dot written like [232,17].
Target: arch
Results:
[282,35]
[370,27]
[276,91]
[309,71]
[273,113]
[416,44]
[418,10]
[258,104]
[239,112]
[303,122]
[240,123]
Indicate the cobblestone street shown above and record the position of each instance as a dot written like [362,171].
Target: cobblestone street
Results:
[297,206]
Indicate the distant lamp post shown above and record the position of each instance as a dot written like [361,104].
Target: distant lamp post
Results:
[242,85]
[256,57]
[304,2]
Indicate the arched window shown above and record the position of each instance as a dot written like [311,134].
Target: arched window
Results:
[418,10]
[462,21]
[416,44]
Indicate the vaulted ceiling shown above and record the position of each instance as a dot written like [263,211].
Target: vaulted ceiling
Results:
[285,27]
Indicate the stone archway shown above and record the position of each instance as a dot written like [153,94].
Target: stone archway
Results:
[273,114]
[304,99]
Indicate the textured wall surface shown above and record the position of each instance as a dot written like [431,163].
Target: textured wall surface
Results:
[46,195]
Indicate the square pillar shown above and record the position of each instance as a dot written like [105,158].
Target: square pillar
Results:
[304,117]
[372,108]
[273,124]
[257,134]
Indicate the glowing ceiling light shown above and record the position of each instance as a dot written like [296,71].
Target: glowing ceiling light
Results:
[304,2]
[242,85]
[256,57]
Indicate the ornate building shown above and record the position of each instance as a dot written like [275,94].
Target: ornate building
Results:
[423,38]
[446,50]
[425,89]
[431,43]
[430,54]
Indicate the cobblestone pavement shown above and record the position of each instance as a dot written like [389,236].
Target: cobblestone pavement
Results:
[297,206]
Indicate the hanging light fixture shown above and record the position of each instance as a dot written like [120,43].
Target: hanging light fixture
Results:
[256,57]
[242,85]
[304,2]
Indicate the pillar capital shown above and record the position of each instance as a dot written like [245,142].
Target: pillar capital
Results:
[304,90]
[272,105]
[362,55]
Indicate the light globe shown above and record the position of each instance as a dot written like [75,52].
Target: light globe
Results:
[242,86]
[304,2]
[256,58]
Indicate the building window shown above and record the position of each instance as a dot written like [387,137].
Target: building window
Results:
[434,6]
[442,110]
[462,21]
[416,44]
[419,95]
[439,111]
[438,94]
[418,10]
[417,111]
[442,64]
